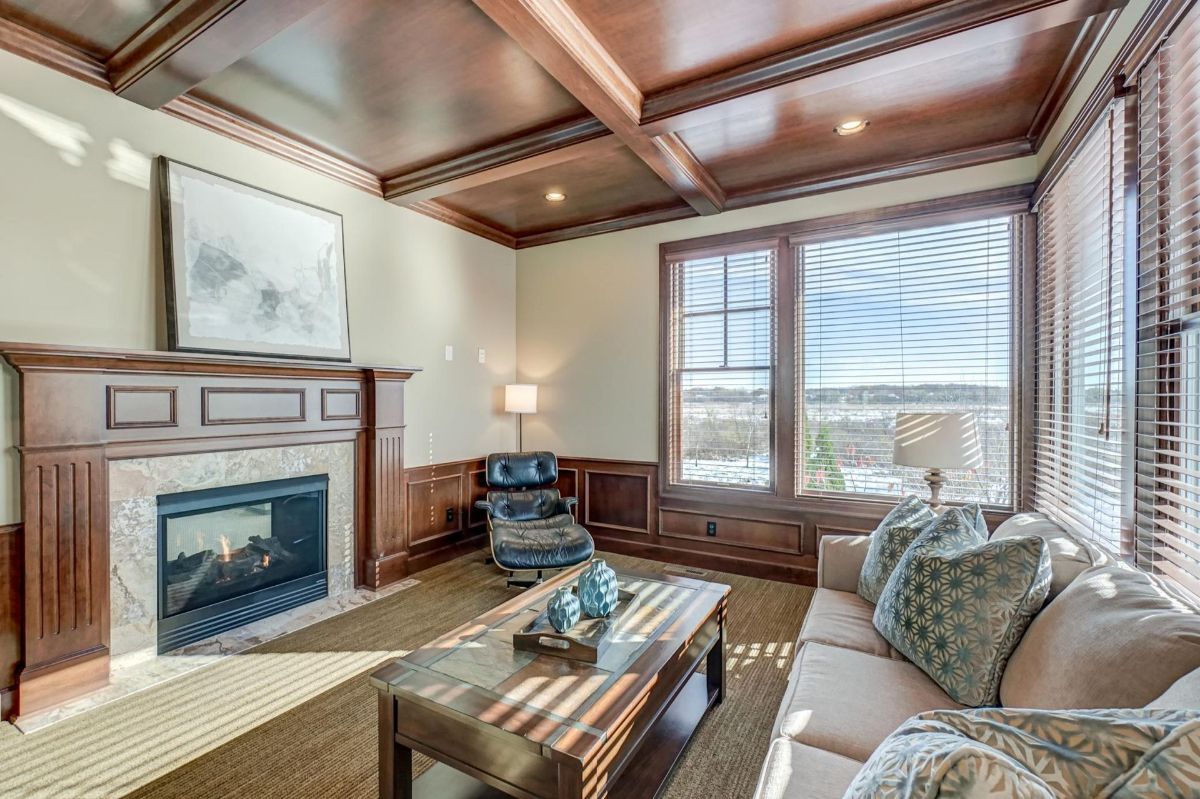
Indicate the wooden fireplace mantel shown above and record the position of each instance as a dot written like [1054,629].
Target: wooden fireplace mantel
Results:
[82,407]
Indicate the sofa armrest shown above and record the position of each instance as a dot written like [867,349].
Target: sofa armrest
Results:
[840,561]
[567,505]
[484,505]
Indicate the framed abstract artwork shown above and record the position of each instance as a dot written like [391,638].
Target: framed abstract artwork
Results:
[249,272]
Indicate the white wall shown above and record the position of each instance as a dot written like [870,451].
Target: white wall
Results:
[79,260]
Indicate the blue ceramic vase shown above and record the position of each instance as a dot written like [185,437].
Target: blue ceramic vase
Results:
[563,609]
[598,589]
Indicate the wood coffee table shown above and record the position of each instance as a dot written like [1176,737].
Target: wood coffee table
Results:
[502,722]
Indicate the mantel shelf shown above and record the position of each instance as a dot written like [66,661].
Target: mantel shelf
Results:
[27,356]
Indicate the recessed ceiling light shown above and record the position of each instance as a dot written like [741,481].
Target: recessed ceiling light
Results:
[851,126]
[555,196]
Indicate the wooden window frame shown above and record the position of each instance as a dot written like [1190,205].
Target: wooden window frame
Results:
[1012,200]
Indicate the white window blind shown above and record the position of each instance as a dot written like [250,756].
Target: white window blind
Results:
[1167,483]
[907,321]
[722,354]
[1078,327]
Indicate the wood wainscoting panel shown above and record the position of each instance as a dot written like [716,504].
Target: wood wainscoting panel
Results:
[143,406]
[730,530]
[340,403]
[236,405]
[442,521]
[435,508]
[620,501]
[12,604]
[66,599]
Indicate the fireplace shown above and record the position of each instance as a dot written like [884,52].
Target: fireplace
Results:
[229,556]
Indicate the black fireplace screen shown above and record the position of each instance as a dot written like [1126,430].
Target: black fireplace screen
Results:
[229,556]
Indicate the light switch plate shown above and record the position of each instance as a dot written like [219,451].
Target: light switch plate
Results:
[449,352]
[482,355]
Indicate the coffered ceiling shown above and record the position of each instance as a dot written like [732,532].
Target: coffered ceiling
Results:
[638,111]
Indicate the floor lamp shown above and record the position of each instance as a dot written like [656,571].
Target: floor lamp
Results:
[520,398]
[936,441]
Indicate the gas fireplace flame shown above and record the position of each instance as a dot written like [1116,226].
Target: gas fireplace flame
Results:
[266,559]
[225,546]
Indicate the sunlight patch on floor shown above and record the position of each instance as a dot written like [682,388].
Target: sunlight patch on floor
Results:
[148,735]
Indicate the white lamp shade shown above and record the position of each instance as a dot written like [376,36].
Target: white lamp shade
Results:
[520,398]
[937,441]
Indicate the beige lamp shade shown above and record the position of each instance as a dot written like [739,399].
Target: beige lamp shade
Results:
[937,441]
[520,398]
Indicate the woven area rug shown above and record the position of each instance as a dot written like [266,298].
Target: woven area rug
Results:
[295,718]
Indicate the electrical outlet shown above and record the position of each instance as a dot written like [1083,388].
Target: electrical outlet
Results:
[450,515]
[482,355]
[712,528]
[449,352]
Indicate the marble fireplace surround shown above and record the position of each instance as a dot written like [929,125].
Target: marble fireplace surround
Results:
[134,486]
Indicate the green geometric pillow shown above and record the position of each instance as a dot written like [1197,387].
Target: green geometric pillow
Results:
[898,529]
[957,605]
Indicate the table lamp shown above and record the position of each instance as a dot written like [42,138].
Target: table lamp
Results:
[936,441]
[520,398]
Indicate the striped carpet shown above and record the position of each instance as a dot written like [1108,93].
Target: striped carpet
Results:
[295,718]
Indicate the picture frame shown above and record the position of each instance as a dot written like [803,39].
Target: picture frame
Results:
[248,271]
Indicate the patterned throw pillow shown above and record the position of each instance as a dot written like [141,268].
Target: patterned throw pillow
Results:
[1120,754]
[957,605]
[898,529]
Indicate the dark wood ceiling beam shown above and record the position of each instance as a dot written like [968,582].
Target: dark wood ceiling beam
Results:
[191,40]
[551,33]
[1091,36]
[947,29]
[443,213]
[545,148]
[821,184]
[50,52]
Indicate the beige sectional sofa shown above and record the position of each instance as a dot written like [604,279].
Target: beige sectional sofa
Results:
[849,688]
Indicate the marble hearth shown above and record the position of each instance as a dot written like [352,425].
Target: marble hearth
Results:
[133,488]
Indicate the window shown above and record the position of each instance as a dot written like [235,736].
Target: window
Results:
[910,320]
[1078,417]
[1167,481]
[788,352]
[721,372]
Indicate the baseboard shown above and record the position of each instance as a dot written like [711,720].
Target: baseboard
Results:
[380,572]
[461,547]
[47,686]
[8,703]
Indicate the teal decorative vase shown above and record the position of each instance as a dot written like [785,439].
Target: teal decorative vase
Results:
[598,589]
[563,609]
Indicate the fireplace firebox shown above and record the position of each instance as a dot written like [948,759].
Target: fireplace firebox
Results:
[230,556]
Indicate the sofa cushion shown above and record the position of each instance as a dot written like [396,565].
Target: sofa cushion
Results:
[1037,753]
[847,701]
[1116,637]
[839,618]
[1069,554]
[957,605]
[1184,694]
[796,771]
[891,538]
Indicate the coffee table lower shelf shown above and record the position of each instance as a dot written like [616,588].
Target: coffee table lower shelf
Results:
[643,778]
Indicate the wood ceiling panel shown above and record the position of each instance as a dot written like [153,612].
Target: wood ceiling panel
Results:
[98,27]
[612,184]
[966,101]
[392,85]
[663,44]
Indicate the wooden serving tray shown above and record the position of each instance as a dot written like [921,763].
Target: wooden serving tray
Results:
[585,642]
